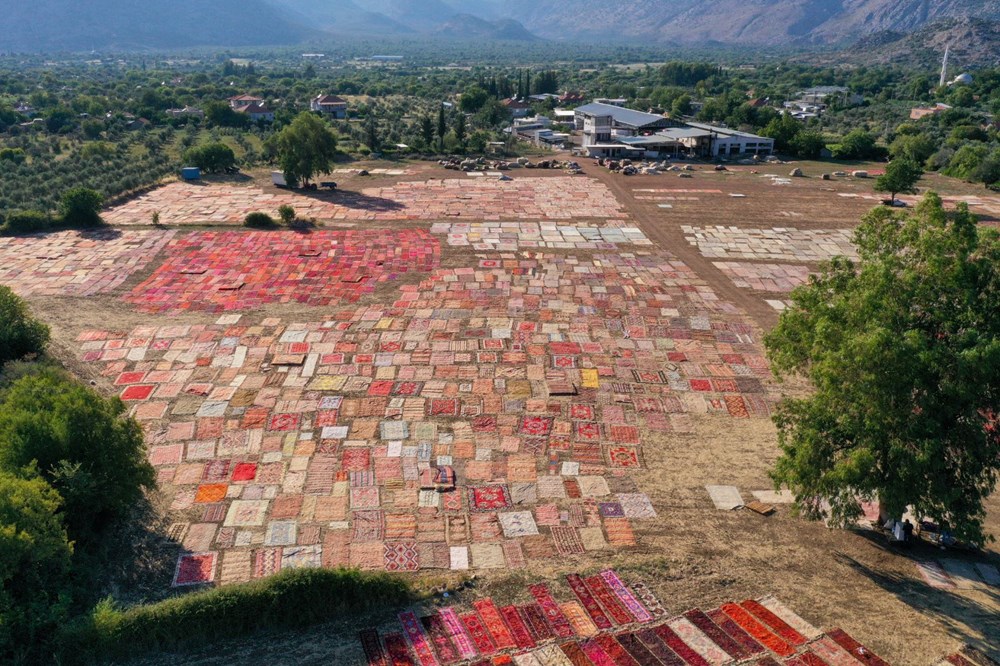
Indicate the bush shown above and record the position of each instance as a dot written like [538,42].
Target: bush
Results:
[27,221]
[81,207]
[20,333]
[79,442]
[14,155]
[259,221]
[287,214]
[290,599]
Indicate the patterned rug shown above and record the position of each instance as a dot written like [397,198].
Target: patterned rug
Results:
[489,498]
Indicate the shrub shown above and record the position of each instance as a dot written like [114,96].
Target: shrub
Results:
[80,443]
[290,599]
[20,333]
[27,221]
[259,221]
[81,207]
[14,155]
[287,214]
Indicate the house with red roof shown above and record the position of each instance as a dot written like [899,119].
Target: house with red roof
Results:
[330,105]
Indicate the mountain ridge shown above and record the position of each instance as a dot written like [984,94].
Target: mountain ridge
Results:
[736,22]
[48,25]
[65,25]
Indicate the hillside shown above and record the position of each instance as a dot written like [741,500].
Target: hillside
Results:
[342,18]
[52,25]
[973,42]
[467,26]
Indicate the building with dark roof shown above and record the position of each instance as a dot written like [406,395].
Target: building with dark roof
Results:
[614,131]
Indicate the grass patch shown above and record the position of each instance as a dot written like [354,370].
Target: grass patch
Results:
[291,599]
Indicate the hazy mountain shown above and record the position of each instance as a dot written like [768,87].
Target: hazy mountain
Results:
[51,25]
[424,15]
[467,26]
[341,17]
[126,24]
[746,22]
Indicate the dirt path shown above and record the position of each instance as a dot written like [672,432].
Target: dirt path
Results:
[670,237]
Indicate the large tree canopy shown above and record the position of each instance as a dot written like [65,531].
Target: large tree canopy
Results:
[34,562]
[305,148]
[80,443]
[903,351]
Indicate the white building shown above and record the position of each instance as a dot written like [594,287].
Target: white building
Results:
[329,105]
[602,125]
[725,142]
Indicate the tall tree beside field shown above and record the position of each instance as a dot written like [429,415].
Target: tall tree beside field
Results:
[442,127]
[901,176]
[903,352]
[460,129]
[305,147]
[427,131]
[373,135]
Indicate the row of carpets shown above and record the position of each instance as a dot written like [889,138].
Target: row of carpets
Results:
[609,622]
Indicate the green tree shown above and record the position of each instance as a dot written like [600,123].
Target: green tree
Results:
[373,136]
[681,106]
[427,130]
[35,556]
[988,171]
[92,129]
[807,144]
[783,130]
[222,115]
[305,148]
[214,157]
[12,155]
[914,147]
[59,119]
[460,128]
[473,99]
[81,206]
[857,145]
[966,160]
[20,333]
[901,175]
[80,443]
[546,82]
[493,114]
[903,352]
[442,127]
